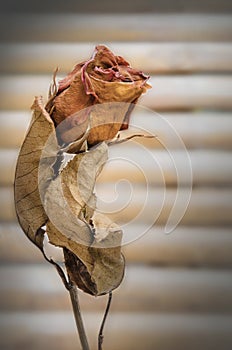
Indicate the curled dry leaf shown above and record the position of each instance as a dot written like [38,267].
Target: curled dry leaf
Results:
[58,196]
[94,260]
[29,208]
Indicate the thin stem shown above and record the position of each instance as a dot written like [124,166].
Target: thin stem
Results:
[77,314]
[100,335]
[73,292]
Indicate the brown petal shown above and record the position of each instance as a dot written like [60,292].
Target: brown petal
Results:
[103,57]
[116,91]
[105,121]
[102,79]
[71,100]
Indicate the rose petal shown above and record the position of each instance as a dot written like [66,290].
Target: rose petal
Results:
[102,79]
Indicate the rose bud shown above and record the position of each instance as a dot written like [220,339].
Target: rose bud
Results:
[103,79]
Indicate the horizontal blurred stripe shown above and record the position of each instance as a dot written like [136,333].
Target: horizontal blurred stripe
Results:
[207,206]
[124,330]
[169,92]
[154,57]
[115,27]
[200,246]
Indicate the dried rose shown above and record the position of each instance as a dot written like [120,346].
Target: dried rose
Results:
[102,79]
[54,195]
[92,103]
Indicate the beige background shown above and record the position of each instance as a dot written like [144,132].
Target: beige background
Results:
[177,290]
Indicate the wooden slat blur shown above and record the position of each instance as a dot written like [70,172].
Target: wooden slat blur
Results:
[169,92]
[144,289]
[119,6]
[154,170]
[185,246]
[176,294]
[164,331]
[154,57]
[118,27]
[209,130]
[207,206]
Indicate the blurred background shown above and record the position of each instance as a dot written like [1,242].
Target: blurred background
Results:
[176,294]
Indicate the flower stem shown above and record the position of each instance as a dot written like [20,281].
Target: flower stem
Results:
[100,335]
[73,292]
[77,314]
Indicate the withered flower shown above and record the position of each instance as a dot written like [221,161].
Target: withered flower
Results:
[102,79]
[57,198]
[60,197]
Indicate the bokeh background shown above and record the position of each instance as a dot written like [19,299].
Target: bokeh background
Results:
[177,291]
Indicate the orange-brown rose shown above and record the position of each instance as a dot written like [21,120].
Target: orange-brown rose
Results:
[102,79]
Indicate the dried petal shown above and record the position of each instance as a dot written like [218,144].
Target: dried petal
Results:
[104,78]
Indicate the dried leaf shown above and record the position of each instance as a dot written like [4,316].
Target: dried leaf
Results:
[29,208]
[95,263]
[69,199]
[96,271]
